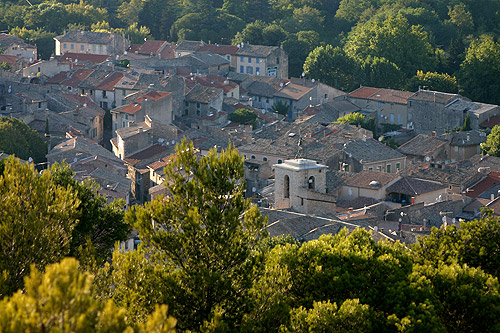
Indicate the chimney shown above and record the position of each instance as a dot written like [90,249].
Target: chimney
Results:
[468,137]
[492,196]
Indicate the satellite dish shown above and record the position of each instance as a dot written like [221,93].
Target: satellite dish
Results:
[303,74]
[427,158]
[313,80]
[380,139]
[30,160]
[254,189]
[173,142]
[74,160]
[375,228]
[125,53]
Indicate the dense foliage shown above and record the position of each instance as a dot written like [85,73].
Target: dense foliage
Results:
[17,138]
[384,43]
[206,255]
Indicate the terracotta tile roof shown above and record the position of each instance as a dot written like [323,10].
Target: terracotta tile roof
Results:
[492,180]
[136,104]
[134,47]
[363,92]
[58,78]
[8,59]
[97,58]
[110,81]
[219,49]
[383,95]
[151,47]
[168,52]
[161,163]
[293,91]
[77,77]
[492,122]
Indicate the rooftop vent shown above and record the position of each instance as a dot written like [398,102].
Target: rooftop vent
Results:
[374,183]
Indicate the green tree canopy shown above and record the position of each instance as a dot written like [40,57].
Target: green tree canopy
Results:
[38,217]
[206,232]
[61,300]
[492,144]
[354,118]
[408,47]
[280,107]
[433,81]
[480,71]
[332,66]
[99,223]
[244,116]
[17,138]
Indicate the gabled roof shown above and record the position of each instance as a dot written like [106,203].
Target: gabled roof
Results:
[370,150]
[189,45]
[136,105]
[412,186]
[77,77]
[90,37]
[110,81]
[421,145]
[211,80]
[96,58]
[58,78]
[492,122]
[7,40]
[151,47]
[435,96]
[203,94]
[147,154]
[469,138]
[93,80]
[485,187]
[382,95]
[370,179]
[8,59]
[256,50]
[293,91]
[219,49]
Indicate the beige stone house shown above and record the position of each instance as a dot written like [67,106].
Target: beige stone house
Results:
[262,60]
[91,42]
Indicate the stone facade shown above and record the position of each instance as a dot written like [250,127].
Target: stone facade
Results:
[300,184]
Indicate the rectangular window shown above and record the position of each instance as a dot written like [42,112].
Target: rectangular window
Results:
[104,94]
[116,125]
[124,101]
[257,70]
[371,169]
[72,46]
[257,60]
[391,117]
[400,120]
[378,105]
[81,47]
[198,105]
[249,60]
[242,69]
[65,46]
[388,168]
[249,70]
[398,166]
[242,58]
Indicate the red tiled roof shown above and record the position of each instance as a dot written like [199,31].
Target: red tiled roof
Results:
[58,78]
[211,80]
[77,77]
[80,99]
[8,59]
[151,47]
[136,104]
[168,52]
[160,163]
[134,47]
[490,181]
[110,81]
[97,58]
[363,92]
[219,49]
[492,122]
[383,95]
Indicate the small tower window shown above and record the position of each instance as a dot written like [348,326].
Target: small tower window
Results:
[311,183]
